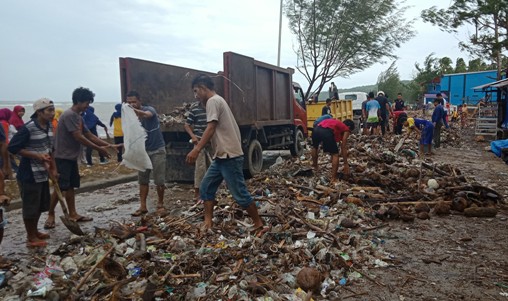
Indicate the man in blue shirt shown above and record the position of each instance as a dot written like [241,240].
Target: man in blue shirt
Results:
[156,149]
[438,119]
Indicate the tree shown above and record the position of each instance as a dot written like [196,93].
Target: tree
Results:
[477,65]
[445,65]
[460,65]
[337,38]
[425,74]
[388,81]
[489,18]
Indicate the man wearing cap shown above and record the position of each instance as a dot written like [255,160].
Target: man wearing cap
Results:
[34,143]
[328,132]
[72,133]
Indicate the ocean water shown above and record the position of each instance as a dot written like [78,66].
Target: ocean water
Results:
[103,110]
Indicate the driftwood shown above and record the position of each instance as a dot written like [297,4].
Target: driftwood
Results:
[409,199]
[480,212]
[83,280]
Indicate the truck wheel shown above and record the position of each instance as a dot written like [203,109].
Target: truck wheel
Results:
[297,148]
[254,158]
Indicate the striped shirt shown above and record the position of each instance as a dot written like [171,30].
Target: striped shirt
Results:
[33,138]
[197,119]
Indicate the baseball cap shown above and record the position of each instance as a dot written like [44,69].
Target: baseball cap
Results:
[41,104]
[380,92]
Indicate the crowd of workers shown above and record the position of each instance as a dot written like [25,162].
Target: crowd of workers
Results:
[50,144]
[377,112]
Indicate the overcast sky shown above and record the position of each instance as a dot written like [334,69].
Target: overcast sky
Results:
[48,48]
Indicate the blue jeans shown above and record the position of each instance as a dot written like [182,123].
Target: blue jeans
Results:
[230,170]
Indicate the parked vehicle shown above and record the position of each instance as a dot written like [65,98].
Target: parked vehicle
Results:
[341,109]
[357,98]
[268,107]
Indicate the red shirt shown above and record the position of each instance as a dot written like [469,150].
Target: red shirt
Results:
[396,115]
[337,126]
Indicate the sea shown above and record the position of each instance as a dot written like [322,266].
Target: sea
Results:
[103,110]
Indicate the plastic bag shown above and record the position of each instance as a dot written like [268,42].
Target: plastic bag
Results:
[134,136]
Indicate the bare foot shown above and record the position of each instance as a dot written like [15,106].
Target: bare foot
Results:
[50,222]
[42,235]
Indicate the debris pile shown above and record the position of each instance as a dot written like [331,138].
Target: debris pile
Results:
[322,237]
[177,116]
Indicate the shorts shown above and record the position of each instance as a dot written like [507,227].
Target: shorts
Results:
[427,135]
[372,124]
[35,198]
[325,136]
[230,170]
[202,163]
[158,159]
[69,173]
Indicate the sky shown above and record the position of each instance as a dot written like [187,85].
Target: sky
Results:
[49,48]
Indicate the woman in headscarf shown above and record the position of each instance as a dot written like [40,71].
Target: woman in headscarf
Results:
[16,119]
[5,115]
[116,122]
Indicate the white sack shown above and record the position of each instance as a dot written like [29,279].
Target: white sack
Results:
[134,136]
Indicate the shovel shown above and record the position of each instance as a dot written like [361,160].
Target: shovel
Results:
[72,225]
[399,145]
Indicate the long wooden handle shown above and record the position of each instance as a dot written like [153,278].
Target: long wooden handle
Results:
[60,198]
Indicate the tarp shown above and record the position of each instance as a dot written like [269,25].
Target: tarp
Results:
[497,145]
[134,136]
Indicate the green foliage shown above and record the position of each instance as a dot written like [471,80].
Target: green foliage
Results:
[490,21]
[445,65]
[388,81]
[337,38]
[460,65]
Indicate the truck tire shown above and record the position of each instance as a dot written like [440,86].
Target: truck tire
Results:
[254,158]
[297,148]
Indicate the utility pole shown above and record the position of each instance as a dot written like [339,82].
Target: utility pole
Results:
[280,33]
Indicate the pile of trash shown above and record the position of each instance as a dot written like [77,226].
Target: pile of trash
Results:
[177,116]
[322,237]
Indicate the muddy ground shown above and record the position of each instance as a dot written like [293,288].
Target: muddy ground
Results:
[444,258]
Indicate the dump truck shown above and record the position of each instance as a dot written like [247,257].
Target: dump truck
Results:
[269,108]
[341,110]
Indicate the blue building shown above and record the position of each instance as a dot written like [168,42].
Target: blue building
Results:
[459,86]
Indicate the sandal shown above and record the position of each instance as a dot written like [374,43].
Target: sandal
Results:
[49,224]
[82,218]
[139,212]
[36,244]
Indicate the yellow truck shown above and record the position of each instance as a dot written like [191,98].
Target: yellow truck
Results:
[341,109]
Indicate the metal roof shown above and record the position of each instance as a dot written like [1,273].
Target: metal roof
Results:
[473,72]
[496,84]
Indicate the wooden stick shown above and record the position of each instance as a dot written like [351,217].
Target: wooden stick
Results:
[413,203]
[82,281]
[184,276]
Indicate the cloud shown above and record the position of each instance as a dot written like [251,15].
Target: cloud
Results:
[51,47]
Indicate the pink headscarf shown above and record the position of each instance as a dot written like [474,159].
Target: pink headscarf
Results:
[15,120]
[5,114]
